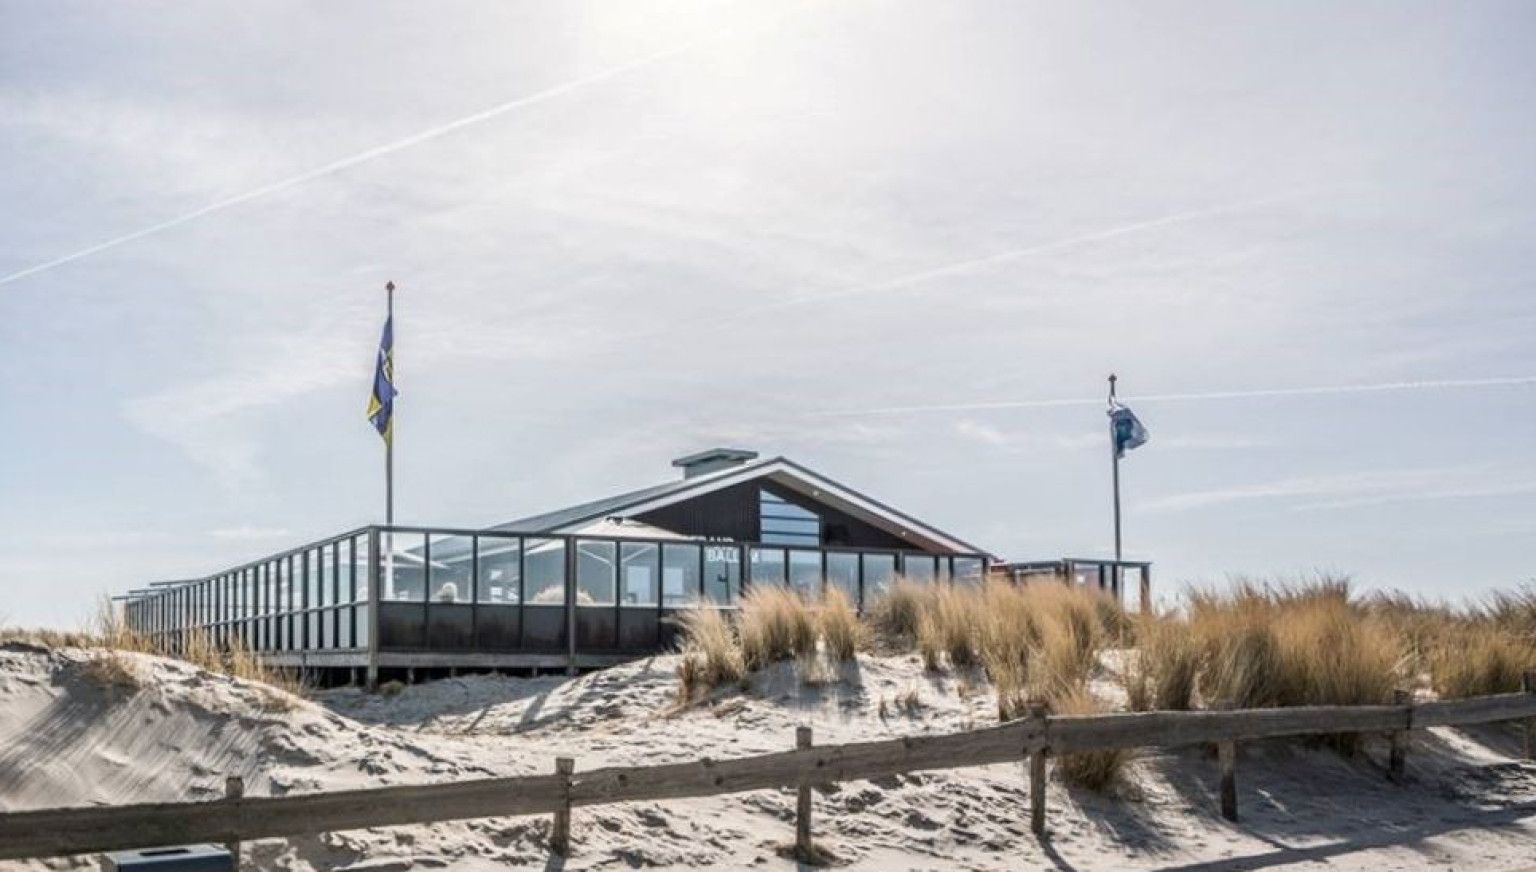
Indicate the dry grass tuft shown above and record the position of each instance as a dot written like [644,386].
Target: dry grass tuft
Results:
[841,632]
[775,625]
[111,671]
[1162,672]
[1094,770]
[1295,644]
[947,627]
[710,654]
[894,615]
[1477,660]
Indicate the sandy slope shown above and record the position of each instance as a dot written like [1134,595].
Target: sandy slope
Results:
[64,741]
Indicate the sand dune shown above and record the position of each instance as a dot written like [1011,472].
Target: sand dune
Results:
[66,741]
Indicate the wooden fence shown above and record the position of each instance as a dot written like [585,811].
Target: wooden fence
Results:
[237,818]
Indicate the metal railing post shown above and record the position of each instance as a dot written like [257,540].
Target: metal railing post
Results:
[375,597]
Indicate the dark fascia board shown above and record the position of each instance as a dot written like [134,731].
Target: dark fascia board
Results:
[890,513]
[594,510]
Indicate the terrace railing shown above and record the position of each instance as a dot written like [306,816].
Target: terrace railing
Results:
[435,591]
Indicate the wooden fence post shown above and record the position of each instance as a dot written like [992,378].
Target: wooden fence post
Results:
[234,789]
[1037,711]
[560,839]
[803,849]
[1528,684]
[1227,753]
[1397,760]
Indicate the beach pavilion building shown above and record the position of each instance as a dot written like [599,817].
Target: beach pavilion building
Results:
[581,587]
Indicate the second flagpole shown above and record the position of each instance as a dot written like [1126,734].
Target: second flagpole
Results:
[1114,454]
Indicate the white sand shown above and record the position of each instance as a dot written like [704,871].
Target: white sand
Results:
[64,741]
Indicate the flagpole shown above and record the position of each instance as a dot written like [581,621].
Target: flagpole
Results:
[389,440]
[1114,454]
[388,586]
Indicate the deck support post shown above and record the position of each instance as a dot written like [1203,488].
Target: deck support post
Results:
[1398,758]
[560,838]
[234,789]
[1226,752]
[1037,785]
[804,850]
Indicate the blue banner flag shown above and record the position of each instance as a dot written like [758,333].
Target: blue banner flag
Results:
[1127,430]
[381,405]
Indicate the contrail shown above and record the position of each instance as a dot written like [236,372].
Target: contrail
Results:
[964,266]
[368,155]
[1318,390]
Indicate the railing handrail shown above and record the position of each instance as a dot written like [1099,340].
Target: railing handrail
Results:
[51,832]
[167,586]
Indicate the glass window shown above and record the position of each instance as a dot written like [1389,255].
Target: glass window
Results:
[544,563]
[805,572]
[640,569]
[767,566]
[879,572]
[405,577]
[501,573]
[679,574]
[783,523]
[918,567]
[284,598]
[968,569]
[311,564]
[843,571]
[450,574]
[596,571]
[331,593]
[944,573]
[722,574]
[361,574]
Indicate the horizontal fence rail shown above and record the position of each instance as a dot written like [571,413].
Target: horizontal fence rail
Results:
[55,832]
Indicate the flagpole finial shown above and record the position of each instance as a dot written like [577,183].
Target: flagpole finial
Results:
[389,286]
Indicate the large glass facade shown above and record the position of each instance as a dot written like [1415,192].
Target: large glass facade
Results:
[434,583]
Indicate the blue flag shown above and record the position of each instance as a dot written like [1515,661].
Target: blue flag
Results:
[381,405]
[1126,430]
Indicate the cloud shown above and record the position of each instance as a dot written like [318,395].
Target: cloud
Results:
[1350,490]
[248,533]
[1019,440]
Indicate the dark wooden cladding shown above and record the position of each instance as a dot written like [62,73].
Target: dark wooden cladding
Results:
[728,513]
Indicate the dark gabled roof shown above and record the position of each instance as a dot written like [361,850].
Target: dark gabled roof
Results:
[812,484]
[550,522]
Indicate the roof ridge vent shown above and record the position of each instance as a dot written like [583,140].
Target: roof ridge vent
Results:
[713,460]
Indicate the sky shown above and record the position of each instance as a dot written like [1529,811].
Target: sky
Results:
[885,239]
